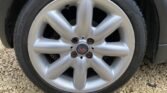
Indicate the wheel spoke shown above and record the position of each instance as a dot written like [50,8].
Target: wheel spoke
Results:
[80,73]
[107,27]
[50,46]
[58,67]
[60,24]
[112,49]
[84,17]
[101,68]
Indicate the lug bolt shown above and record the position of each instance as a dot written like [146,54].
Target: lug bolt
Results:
[75,40]
[89,55]
[74,54]
[90,41]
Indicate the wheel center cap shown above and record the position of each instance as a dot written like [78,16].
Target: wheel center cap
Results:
[82,49]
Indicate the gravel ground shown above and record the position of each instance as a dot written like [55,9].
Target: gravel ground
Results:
[148,79]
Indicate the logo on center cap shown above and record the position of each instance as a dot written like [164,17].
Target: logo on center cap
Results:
[82,49]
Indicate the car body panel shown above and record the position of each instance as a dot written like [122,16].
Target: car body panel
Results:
[161,55]
[4,8]
[162,11]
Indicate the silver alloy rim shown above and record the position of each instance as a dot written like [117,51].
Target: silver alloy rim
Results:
[106,74]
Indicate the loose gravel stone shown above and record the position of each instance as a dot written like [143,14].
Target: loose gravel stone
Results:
[148,79]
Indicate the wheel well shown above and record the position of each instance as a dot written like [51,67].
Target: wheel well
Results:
[147,7]
[149,10]
[11,19]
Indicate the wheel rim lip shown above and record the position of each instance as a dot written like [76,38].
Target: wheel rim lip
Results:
[35,57]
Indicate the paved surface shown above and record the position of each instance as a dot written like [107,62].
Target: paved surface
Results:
[148,79]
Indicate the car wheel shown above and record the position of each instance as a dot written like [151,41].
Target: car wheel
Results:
[80,45]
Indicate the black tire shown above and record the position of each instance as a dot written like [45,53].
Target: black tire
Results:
[22,30]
